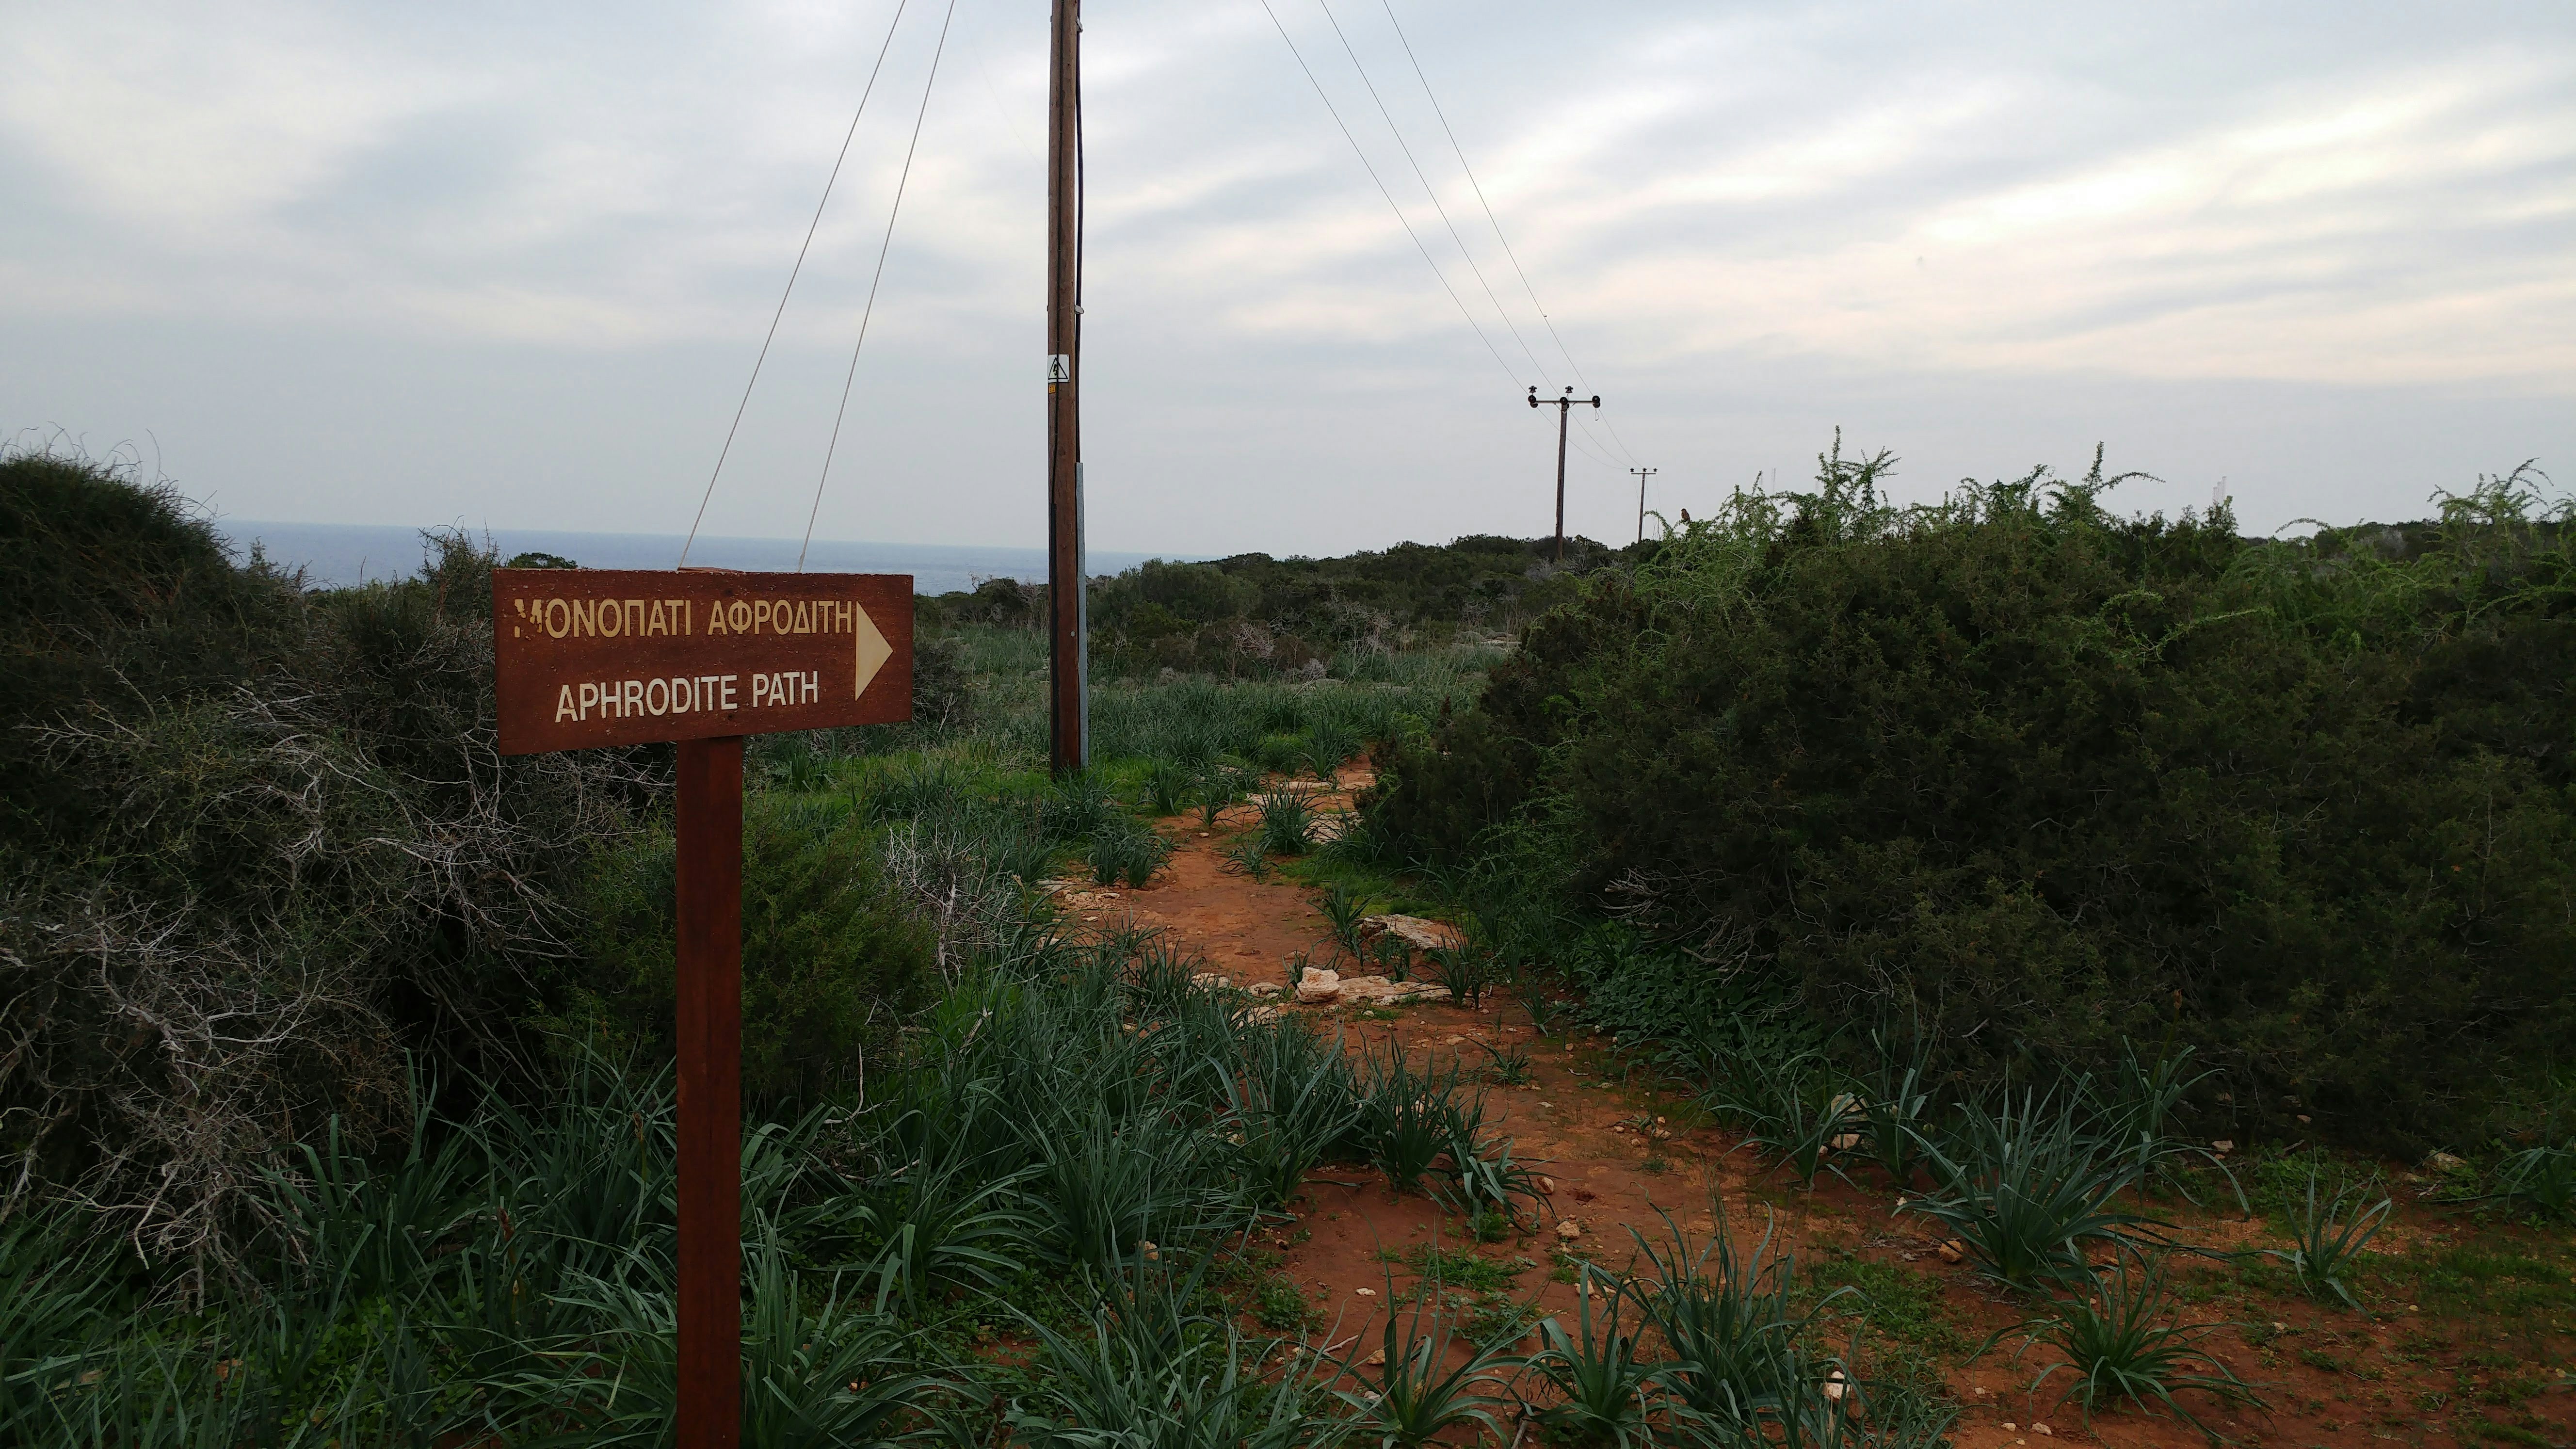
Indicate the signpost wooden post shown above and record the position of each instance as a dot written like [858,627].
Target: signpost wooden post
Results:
[584,658]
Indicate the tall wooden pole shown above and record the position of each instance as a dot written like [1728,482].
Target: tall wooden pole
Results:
[1564,405]
[1069,731]
[710,1041]
[1561,411]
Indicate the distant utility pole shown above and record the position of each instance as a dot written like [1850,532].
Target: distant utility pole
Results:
[1564,405]
[1642,475]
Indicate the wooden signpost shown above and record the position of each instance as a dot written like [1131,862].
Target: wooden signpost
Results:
[591,657]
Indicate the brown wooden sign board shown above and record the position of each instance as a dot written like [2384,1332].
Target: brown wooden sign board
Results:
[589,657]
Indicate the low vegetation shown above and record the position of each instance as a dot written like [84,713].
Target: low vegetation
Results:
[256,850]
[1255,617]
[2041,778]
[2051,878]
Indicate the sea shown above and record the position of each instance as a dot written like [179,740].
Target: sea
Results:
[336,555]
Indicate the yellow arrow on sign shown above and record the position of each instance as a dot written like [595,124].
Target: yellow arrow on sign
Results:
[873,651]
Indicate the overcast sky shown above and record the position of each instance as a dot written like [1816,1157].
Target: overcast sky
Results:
[509,264]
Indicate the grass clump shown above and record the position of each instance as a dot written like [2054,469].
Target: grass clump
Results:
[2540,1180]
[1793,1106]
[1599,1380]
[1508,1065]
[1343,909]
[1467,971]
[1410,1115]
[1295,1102]
[2120,1345]
[1247,856]
[2331,1238]
[2029,1185]
[1130,855]
[1419,1394]
[1287,822]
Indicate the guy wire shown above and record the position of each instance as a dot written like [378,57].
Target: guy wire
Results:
[1493,220]
[1400,217]
[882,248]
[810,227]
[1429,190]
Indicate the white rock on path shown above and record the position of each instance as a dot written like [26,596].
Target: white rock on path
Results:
[1414,931]
[1378,991]
[1318,986]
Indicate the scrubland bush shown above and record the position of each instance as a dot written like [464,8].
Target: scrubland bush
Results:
[2042,778]
[1257,617]
[833,960]
[257,844]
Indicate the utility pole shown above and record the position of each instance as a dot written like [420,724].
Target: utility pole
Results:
[1068,612]
[1564,405]
[1642,475]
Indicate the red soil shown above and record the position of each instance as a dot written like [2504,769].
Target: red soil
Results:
[1585,1129]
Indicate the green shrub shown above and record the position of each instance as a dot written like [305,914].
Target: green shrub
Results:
[1256,616]
[256,844]
[942,684]
[1280,752]
[831,962]
[2042,778]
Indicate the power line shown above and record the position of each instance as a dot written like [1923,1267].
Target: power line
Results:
[870,311]
[1621,445]
[1493,220]
[792,272]
[1431,191]
[1400,217]
[1587,450]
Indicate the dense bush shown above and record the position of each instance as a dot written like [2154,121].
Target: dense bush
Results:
[256,844]
[1260,617]
[832,962]
[2041,778]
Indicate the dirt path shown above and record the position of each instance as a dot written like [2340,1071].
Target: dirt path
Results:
[1625,1158]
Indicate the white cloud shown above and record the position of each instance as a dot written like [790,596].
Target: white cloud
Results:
[2384,200]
